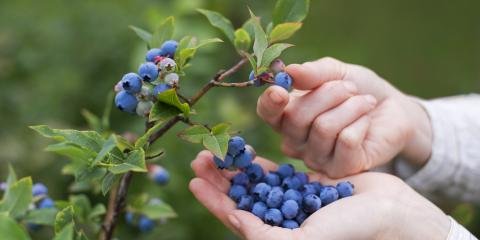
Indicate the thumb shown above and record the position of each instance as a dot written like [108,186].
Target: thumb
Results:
[311,75]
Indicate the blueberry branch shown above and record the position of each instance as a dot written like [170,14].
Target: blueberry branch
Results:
[115,207]
[237,85]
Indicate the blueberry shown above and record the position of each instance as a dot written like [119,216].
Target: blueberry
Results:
[223,164]
[256,81]
[308,189]
[272,179]
[301,216]
[290,209]
[292,194]
[285,170]
[148,71]
[132,83]
[237,191]
[259,209]
[251,76]
[46,203]
[158,174]
[311,203]
[290,224]
[303,177]
[328,195]
[167,65]
[236,145]
[245,203]
[318,186]
[152,54]
[160,88]
[169,47]
[291,183]
[244,159]
[129,218]
[254,172]
[250,149]
[145,224]
[284,80]
[345,189]
[277,66]
[172,79]
[126,102]
[273,217]
[241,179]
[143,108]
[261,191]
[275,198]
[39,189]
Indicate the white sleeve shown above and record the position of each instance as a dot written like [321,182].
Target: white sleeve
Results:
[453,169]
[458,232]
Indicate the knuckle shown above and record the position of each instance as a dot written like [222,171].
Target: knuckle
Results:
[323,126]
[348,139]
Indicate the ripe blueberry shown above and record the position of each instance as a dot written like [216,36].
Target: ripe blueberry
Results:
[273,217]
[46,203]
[291,183]
[255,172]
[39,189]
[328,195]
[272,179]
[236,145]
[236,191]
[259,209]
[223,164]
[158,174]
[245,203]
[311,203]
[132,83]
[303,177]
[301,216]
[241,179]
[284,80]
[345,189]
[169,47]
[261,191]
[292,194]
[152,54]
[290,224]
[148,71]
[160,88]
[244,159]
[308,189]
[129,217]
[145,224]
[126,102]
[275,197]
[318,186]
[290,209]
[285,170]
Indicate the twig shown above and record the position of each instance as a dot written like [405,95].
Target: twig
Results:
[237,85]
[120,193]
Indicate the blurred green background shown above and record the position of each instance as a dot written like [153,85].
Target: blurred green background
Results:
[57,57]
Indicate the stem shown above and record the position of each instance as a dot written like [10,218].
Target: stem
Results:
[115,207]
[237,85]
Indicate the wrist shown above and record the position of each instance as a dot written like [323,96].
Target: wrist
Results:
[418,146]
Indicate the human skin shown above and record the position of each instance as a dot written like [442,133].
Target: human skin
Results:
[382,207]
[343,119]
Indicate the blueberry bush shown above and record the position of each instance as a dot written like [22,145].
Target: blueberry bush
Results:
[105,162]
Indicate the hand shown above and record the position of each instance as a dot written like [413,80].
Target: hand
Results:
[343,119]
[382,207]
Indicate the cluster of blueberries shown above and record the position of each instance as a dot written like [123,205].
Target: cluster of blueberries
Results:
[137,91]
[277,73]
[280,198]
[160,176]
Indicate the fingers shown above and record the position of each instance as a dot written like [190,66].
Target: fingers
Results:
[328,125]
[251,227]
[301,112]
[271,103]
[204,168]
[311,75]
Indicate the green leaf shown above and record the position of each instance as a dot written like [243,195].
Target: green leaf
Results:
[44,216]
[159,210]
[249,27]
[135,162]
[269,28]
[194,134]
[170,97]
[187,53]
[97,211]
[88,139]
[162,112]
[93,121]
[143,140]
[217,144]
[209,41]
[242,40]
[142,34]
[107,110]
[81,206]
[66,233]
[107,147]
[108,182]
[163,32]
[260,43]
[273,52]
[17,198]
[184,43]
[290,11]
[284,31]
[71,151]
[122,143]
[221,128]
[219,21]
[11,179]
[253,62]
[81,236]
[9,229]
[63,218]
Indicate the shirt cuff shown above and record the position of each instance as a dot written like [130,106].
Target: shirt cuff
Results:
[458,232]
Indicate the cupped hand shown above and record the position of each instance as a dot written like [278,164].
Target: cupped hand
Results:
[382,207]
[342,119]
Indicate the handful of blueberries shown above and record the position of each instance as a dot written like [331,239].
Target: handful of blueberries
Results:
[280,198]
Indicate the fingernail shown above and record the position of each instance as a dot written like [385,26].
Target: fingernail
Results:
[371,99]
[350,86]
[275,97]
[234,221]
